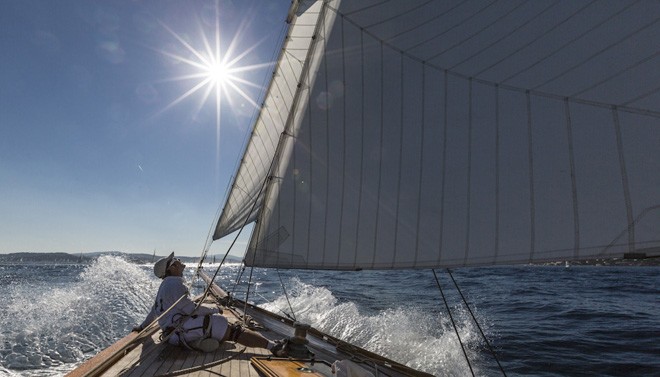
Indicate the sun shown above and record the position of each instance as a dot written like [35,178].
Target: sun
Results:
[218,73]
[213,73]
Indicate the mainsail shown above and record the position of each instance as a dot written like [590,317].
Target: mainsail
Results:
[423,134]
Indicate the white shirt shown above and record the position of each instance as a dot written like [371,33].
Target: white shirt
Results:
[171,289]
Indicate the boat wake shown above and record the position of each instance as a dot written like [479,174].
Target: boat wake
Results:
[408,334]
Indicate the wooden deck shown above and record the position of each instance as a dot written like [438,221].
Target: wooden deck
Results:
[153,359]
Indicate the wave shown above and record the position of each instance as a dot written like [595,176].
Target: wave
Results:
[51,326]
[413,336]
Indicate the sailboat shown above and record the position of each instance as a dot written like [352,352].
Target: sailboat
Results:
[430,135]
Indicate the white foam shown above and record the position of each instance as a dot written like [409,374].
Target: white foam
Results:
[52,327]
[412,336]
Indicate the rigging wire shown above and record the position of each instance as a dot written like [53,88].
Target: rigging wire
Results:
[209,240]
[452,322]
[287,296]
[474,319]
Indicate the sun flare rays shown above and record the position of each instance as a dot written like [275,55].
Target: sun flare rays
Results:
[213,74]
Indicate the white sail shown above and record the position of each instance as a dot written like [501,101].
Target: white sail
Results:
[449,133]
[278,113]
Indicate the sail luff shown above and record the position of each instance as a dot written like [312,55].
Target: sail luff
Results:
[246,194]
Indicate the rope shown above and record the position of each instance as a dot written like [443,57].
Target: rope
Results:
[452,321]
[475,322]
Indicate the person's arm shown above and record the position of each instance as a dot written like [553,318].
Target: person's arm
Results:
[150,318]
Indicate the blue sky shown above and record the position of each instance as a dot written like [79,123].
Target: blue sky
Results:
[98,149]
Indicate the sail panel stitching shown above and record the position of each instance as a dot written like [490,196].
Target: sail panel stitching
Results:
[469,175]
[560,48]
[345,139]
[444,165]
[382,147]
[597,53]
[398,189]
[457,24]
[571,159]
[483,29]
[624,181]
[421,165]
[362,149]
[327,146]
[497,173]
[622,107]
[530,159]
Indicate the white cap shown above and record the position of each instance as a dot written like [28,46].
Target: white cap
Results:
[160,268]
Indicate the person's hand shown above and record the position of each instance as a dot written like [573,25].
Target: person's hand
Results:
[136,329]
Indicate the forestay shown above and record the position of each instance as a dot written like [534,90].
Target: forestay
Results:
[456,133]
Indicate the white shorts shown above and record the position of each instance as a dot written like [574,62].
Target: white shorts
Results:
[193,329]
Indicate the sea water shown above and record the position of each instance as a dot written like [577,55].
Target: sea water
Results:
[540,320]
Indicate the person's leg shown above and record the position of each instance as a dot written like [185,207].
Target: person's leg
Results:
[251,338]
[222,330]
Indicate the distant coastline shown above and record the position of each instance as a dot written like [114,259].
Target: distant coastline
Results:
[142,258]
[85,258]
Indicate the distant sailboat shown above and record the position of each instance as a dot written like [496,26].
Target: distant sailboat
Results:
[436,134]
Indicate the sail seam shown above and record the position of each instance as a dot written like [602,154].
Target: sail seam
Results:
[462,41]
[571,159]
[622,107]
[530,154]
[398,189]
[560,48]
[343,182]
[592,56]
[469,175]
[327,146]
[497,173]
[380,157]
[444,165]
[421,164]
[624,181]
[362,149]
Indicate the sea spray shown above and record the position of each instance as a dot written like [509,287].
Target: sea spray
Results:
[50,326]
[420,338]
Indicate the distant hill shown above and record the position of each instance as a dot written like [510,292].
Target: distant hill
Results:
[66,258]
[43,258]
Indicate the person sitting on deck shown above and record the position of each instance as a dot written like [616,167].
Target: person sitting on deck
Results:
[201,329]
